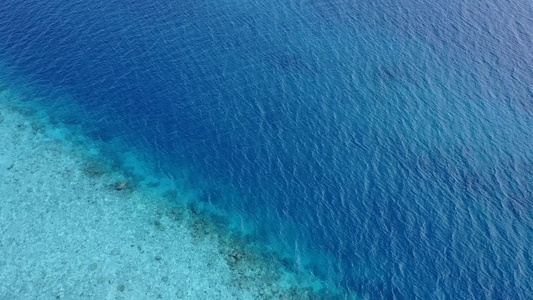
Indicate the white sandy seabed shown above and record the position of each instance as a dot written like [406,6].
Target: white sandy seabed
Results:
[66,232]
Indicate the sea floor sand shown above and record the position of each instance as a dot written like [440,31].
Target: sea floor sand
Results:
[68,233]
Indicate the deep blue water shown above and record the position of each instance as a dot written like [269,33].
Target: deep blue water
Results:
[386,146]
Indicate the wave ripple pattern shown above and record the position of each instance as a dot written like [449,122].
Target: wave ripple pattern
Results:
[384,147]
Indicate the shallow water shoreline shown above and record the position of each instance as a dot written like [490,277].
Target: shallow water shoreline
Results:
[71,233]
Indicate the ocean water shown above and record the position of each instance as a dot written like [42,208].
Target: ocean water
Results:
[383,147]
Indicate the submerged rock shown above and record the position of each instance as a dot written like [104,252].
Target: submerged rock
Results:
[237,255]
[159,225]
[121,185]
[176,214]
[93,266]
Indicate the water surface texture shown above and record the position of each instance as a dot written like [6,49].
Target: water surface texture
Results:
[385,147]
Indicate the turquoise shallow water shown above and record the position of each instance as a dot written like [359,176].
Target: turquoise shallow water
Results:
[77,226]
[382,147]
